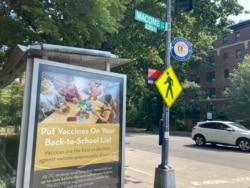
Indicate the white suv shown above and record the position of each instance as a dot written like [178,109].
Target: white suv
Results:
[221,132]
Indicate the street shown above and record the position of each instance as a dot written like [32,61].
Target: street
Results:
[208,166]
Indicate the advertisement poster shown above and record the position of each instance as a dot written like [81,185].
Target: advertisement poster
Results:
[77,141]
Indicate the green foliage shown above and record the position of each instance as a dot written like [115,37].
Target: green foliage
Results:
[183,110]
[2,184]
[12,148]
[201,27]
[11,99]
[110,25]
[239,94]
[64,22]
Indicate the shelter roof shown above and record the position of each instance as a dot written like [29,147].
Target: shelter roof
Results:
[96,59]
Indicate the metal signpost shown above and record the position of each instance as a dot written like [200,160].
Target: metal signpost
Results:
[168,85]
[164,174]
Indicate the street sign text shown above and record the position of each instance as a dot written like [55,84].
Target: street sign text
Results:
[150,20]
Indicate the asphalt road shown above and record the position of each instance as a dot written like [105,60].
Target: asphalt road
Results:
[219,155]
[184,147]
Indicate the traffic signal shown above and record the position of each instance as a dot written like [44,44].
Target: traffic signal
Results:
[182,6]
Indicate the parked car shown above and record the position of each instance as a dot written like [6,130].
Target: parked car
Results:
[221,132]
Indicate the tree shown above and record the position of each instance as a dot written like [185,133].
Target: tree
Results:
[110,25]
[64,22]
[239,94]
[201,26]
[11,99]
[184,110]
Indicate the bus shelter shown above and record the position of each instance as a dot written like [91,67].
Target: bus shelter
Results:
[73,117]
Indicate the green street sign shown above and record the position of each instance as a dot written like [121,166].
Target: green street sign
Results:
[150,20]
[150,28]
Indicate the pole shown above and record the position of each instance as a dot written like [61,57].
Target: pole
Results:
[166,111]
[164,174]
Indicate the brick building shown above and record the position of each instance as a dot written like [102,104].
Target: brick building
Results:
[213,75]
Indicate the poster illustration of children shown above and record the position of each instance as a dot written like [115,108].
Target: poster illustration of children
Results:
[50,100]
[95,90]
[70,91]
[107,114]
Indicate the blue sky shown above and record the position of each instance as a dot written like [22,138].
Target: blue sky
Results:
[246,5]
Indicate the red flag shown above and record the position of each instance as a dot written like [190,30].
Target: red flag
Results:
[153,75]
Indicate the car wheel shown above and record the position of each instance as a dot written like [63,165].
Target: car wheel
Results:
[200,140]
[244,145]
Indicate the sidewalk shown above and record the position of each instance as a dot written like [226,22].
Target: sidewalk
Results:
[140,168]
[140,172]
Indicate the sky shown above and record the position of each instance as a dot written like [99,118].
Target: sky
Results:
[246,5]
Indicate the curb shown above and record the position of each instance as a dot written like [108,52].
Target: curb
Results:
[144,131]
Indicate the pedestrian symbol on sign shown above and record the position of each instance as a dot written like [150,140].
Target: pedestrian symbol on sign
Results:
[168,86]
[169,81]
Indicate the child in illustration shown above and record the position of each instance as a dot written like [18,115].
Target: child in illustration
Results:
[95,90]
[107,113]
[70,91]
[50,100]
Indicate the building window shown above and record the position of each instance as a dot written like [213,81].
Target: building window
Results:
[210,76]
[237,36]
[211,61]
[224,41]
[194,65]
[238,54]
[226,73]
[225,57]
[211,92]
[195,78]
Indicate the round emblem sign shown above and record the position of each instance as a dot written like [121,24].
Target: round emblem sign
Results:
[181,49]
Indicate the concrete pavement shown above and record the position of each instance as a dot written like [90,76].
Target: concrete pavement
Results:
[140,172]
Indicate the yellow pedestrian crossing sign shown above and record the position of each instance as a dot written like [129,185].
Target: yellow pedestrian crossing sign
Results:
[168,86]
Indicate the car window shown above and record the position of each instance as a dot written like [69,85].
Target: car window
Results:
[209,125]
[221,126]
[238,126]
